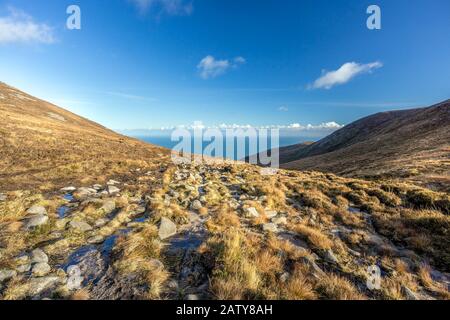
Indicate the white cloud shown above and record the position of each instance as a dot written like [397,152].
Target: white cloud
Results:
[344,74]
[326,126]
[283,109]
[18,27]
[209,67]
[171,7]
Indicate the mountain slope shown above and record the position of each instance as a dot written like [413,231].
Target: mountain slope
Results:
[412,144]
[42,144]
[138,226]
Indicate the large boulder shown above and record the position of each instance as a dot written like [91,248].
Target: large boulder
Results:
[167,228]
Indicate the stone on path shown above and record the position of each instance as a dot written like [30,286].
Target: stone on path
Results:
[41,269]
[39,256]
[7,274]
[80,226]
[113,190]
[270,227]
[166,228]
[251,212]
[37,211]
[36,221]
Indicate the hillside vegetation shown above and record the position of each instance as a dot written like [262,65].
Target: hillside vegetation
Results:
[88,214]
[411,145]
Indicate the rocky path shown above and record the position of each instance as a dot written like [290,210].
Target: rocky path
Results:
[79,252]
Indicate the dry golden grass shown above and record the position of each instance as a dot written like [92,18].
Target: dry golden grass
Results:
[314,236]
[334,287]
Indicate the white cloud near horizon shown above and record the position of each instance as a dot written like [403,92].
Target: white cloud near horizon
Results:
[19,27]
[326,126]
[344,74]
[170,7]
[209,67]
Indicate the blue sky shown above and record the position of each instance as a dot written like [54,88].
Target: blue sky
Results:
[257,62]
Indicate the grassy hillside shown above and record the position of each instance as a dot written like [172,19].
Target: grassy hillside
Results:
[44,146]
[130,224]
[408,144]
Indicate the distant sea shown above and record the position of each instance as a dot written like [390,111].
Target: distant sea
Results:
[165,141]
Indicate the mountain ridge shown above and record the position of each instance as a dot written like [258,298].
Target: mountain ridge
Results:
[411,144]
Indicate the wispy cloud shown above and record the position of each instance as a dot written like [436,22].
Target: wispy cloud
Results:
[131,96]
[343,75]
[283,109]
[209,67]
[19,27]
[170,7]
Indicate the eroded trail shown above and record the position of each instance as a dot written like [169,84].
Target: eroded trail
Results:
[221,232]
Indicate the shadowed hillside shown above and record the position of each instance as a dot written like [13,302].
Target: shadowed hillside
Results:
[46,146]
[408,144]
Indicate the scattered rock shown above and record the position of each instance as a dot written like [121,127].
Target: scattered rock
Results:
[7,274]
[36,221]
[75,279]
[68,189]
[37,211]
[38,256]
[97,187]
[37,285]
[109,206]
[61,223]
[330,257]
[112,182]
[3,197]
[279,220]
[192,297]
[96,239]
[271,214]
[196,205]
[80,225]
[284,277]
[166,228]
[101,222]
[22,259]
[41,269]
[251,212]
[172,285]
[24,268]
[317,271]
[156,264]
[113,190]
[270,227]
[84,192]
[410,295]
